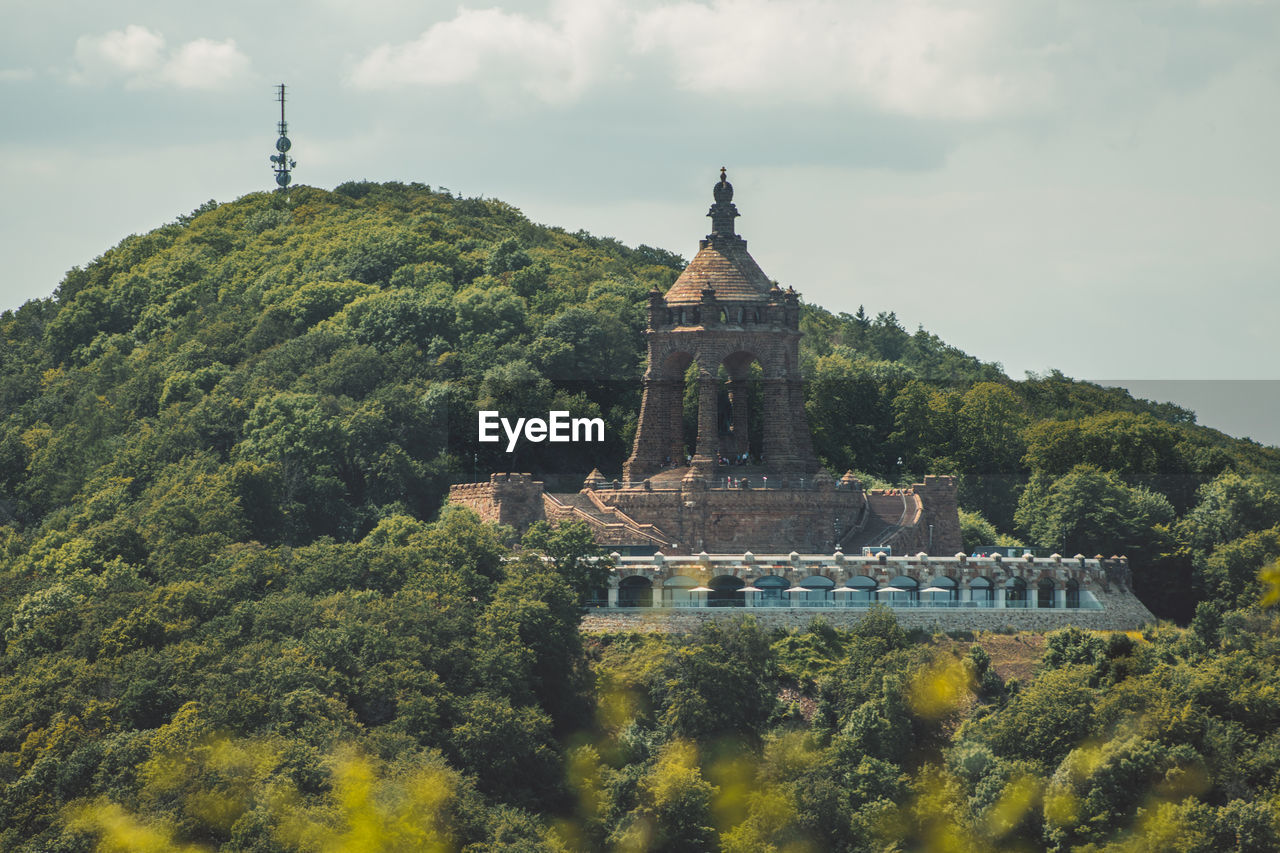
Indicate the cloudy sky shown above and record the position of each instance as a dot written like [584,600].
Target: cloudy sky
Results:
[1085,185]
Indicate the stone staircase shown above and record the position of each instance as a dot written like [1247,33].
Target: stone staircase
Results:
[611,525]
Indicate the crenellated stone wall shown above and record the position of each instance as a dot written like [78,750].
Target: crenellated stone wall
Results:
[514,499]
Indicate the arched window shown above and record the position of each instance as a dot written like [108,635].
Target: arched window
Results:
[1073,593]
[819,593]
[941,590]
[724,592]
[909,591]
[635,591]
[1044,593]
[771,591]
[1015,593]
[675,591]
[982,592]
[863,590]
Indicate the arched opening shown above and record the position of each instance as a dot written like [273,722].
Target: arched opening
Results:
[680,372]
[1015,592]
[908,590]
[942,590]
[771,591]
[675,591]
[819,591]
[982,591]
[1073,594]
[635,591]
[739,408]
[862,590]
[724,592]
[1044,593]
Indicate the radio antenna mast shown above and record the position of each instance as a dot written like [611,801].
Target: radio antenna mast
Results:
[283,162]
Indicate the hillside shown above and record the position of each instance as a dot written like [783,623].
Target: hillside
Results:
[315,362]
[235,614]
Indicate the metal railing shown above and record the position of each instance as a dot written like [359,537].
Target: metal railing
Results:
[833,604]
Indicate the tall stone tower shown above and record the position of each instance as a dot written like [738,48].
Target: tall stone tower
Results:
[723,311]
[736,336]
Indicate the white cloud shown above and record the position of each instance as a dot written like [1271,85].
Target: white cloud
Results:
[918,58]
[928,59]
[16,75]
[133,50]
[915,58]
[205,64]
[137,56]
[555,60]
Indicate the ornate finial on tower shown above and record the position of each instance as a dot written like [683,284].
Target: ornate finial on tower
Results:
[724,211]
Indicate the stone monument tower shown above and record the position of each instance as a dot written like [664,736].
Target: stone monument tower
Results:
[727,328]
[723,311]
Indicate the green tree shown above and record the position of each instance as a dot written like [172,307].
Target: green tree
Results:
[1092,511]
[577,559]
[718,683]
[989,448]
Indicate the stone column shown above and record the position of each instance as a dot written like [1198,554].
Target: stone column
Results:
[704,459]
[777,424]
[675,423]
[613,596]
[1060,597]
[738,404]
[801,442]
[653,431]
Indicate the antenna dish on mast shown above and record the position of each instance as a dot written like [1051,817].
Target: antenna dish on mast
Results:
[283,163]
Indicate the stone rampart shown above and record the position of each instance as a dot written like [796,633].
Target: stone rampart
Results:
[514,499]
[727,520]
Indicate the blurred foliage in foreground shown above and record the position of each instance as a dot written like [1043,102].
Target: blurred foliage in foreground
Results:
[1157,741]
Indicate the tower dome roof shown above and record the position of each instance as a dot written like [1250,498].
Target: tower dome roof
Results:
[722,262]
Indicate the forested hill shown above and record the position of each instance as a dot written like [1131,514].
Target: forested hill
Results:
[234,616]
[285,367]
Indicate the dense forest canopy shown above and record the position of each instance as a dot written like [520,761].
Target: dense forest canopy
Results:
[235,613]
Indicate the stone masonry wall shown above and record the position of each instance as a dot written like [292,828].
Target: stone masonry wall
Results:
[941,511]
[734,521]
[514,499]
